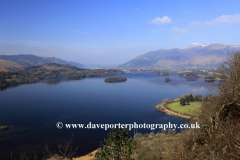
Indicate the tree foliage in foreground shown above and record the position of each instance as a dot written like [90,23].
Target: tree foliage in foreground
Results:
[119,145]
[218,136]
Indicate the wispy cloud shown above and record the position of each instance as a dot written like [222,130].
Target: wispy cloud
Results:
[81,32]
[178,30]
[221,19]
[164,19]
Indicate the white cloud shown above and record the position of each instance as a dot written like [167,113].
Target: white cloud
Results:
[196,23]
[178,30]
[225,19]
[164,19]
[221,19]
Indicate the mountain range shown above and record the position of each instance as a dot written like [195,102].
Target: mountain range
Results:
[15,62]
[195,55]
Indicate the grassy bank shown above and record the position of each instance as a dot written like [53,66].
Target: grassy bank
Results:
[192,109]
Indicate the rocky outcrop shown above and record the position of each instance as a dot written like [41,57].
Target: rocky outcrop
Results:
[2,128]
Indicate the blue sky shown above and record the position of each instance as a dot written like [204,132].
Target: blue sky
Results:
[113,31]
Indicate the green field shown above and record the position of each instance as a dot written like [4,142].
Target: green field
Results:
[193,109]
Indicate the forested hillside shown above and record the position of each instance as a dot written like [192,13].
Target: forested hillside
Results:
[50,70]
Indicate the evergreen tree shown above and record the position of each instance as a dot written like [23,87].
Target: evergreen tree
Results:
[196,99]
[182,101]
[119,145]
[191,99]
[187,100]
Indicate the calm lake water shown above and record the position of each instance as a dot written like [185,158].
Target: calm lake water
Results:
[32,110]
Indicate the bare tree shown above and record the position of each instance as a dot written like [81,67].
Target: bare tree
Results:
[218,136]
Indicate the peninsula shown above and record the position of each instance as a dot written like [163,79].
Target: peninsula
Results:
[186,106]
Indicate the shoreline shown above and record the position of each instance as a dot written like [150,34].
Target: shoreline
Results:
[90,156]
[160,107]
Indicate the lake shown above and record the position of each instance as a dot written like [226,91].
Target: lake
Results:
[32,110]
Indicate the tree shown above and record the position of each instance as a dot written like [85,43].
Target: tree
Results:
[187,100]
[3,81]
[166,100]
[182,101]
[119,145]
[196,98]
[218,137]
[191,99]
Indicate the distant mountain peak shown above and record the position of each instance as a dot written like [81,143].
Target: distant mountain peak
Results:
[194,55]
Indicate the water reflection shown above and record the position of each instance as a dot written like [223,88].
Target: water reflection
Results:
[114,82]
[58,80]
[52,81]
[192,79]
[209,81]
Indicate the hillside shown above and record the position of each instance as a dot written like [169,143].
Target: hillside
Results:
[59,61]
[32,60]
[9,64]
[3,70]
[50,70]
[193,56]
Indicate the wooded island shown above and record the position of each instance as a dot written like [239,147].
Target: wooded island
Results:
[115,79]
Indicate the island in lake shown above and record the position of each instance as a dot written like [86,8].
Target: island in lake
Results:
[168,79]
[115,79]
